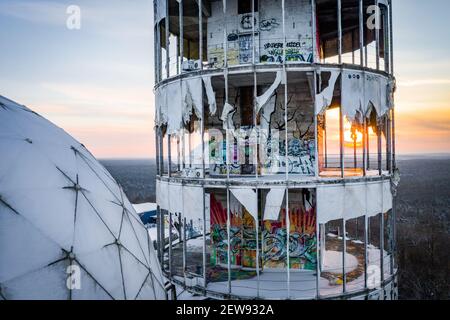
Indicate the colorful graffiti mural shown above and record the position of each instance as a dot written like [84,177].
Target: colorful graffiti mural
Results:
[302,239]
[295,52]
[300,160]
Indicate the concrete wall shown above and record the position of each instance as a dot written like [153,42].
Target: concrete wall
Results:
[269,28]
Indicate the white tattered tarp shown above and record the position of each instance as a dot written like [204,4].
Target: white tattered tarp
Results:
[247,198]
[227,116]
[193,205]
[274,200]
[176,101]
[263,99]
[360,91]
[162,194]
[210,94]
[354,200]
[175,197]
[324,98]
[191,93]
[161,112]
[353,94]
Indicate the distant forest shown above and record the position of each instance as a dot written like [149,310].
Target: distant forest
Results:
[423,219]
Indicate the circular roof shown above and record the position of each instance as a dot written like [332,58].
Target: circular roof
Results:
[67,230]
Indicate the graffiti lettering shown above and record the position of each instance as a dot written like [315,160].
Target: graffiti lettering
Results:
[268,24]
[246,21]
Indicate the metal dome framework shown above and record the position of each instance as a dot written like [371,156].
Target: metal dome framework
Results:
[67,231]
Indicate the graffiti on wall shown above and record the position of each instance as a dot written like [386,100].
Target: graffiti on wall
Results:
[242,236]
[300,159]
[216,57]
[268,24]
[295,51]
[302,239]
[245,22]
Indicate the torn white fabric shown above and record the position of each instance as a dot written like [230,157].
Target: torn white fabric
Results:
[248,198]
[175,197]
[390,93]
[174,107]
[191,93]
[162,194]
[160,10]
[354,200]
[387,196]
[324,99]
[227,116]
[262,100]
[161,112]
[353,94]
[193,206]
[351,201]
[384,96]
[210,94]
[330,203]
[274,200]
[374,198]
[266,114]
[372,92]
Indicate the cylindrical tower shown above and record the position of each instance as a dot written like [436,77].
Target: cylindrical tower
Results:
[275,141]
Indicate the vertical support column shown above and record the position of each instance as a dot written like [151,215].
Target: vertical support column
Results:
[181,22]
[377,34]
[339,19]
[394,160]
[204,240]
[183,232]
[316,132]
[255,152]
[167,39]
[391,38]
[319,257]
[344,245]
[158,173]
[283,8]
[156,50]
[380,151]
[224,2]
[365,139]
[158,235]
[200,33]
[382,239]
[341,140]
[361,32]
[366,241]
[170,241]
[178,154]
[314,31]
[169,164]
[387,44]
[388,143]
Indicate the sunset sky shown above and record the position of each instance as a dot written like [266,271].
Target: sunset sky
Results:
[97,82]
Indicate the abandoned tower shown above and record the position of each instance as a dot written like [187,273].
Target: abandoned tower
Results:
[275,140]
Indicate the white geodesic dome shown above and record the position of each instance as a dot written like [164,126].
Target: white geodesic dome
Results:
[67,231]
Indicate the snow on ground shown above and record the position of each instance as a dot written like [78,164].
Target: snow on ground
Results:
[332,261]
[144,207]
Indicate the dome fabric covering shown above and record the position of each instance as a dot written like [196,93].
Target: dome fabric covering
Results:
[67,230]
